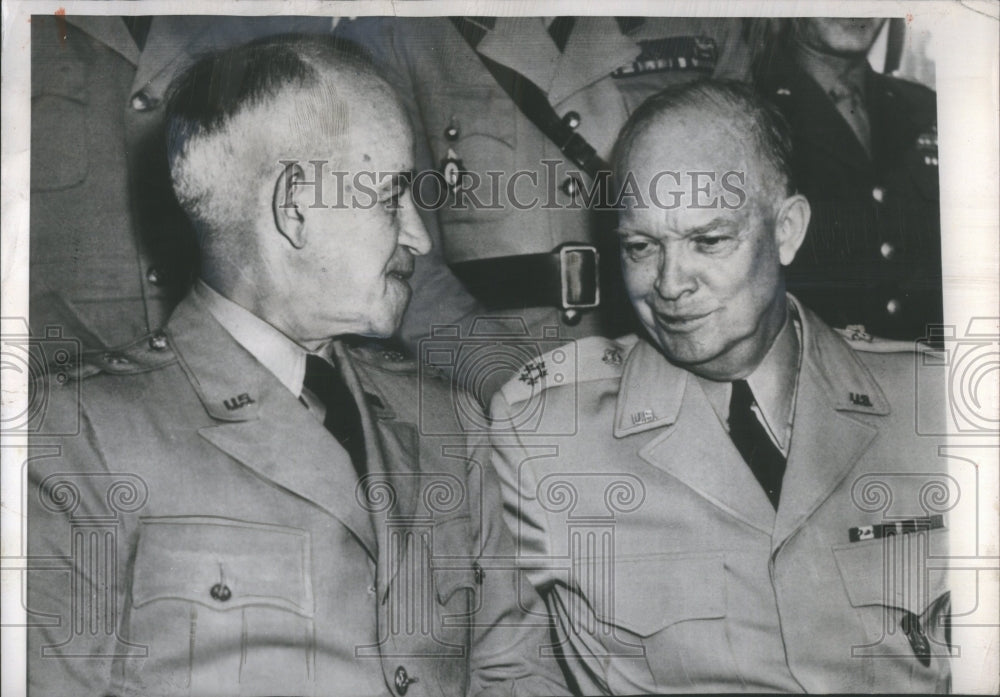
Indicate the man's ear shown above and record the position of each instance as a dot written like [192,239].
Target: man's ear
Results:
[288,206]
[790,226]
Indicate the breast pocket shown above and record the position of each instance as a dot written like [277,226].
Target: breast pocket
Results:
[672,608]
[902,602]
[59,133]
[221,602]
[475,126]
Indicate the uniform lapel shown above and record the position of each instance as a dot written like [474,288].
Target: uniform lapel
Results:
[596,47]
[393,465]
[827,441]
[259,423]
[694,447]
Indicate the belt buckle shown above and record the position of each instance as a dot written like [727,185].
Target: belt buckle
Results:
[579,279]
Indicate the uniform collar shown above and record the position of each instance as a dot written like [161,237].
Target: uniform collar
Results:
[652,389]
[283,357]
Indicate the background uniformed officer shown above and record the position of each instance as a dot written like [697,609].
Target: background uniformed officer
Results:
[711,506]
[242,503]
[866,157]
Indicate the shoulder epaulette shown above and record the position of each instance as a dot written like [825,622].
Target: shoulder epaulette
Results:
[387,359]
[859,340]
[148,353]
[579,361]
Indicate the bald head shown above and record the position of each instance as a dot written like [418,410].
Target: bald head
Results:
[748,125]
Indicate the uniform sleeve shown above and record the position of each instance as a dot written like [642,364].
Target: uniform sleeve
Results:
[75,585]
[438,296]
[512,628]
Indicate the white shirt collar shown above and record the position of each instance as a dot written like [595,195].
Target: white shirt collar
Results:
[275,351]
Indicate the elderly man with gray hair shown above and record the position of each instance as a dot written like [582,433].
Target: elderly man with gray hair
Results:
[244,504]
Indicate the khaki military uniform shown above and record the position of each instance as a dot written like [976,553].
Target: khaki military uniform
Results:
[664,564]
[200,533]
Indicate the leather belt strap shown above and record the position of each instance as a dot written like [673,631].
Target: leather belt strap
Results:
[534,104]
[567,278]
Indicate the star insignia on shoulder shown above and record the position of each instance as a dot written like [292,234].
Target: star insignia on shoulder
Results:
[533,372]
[612,356]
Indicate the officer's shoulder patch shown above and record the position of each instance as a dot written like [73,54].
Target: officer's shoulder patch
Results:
[579,361]
[148,353]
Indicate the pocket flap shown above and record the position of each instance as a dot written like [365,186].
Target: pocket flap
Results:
[448,581]
[650,594]
[894,571]
[222,563]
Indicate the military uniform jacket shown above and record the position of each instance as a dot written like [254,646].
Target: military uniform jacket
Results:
[202,534]
[661,558]
[872,254]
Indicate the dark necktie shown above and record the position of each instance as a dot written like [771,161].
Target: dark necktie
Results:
[560,29]
[343,419]
[751,439]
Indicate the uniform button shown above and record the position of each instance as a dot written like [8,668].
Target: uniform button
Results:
[143,101]
[878,193]
[570,187]
[115,359]
[888,251]
[893,306]
[572,119]
[478,573]
[158,341]
[403,681]
[153,275]
[371,589]
[451,132]
[220,592]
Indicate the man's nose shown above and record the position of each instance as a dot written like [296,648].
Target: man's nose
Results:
[675,277]
[413,234]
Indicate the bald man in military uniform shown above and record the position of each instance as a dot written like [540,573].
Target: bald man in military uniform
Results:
[592,72]
[734,500]
[866,157]
[241,503]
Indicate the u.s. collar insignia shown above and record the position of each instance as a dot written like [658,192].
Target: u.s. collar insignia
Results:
[642,417]
[238,402]
[612,356]
[860,400]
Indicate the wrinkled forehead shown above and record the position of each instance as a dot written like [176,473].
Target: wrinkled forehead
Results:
[691,159]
